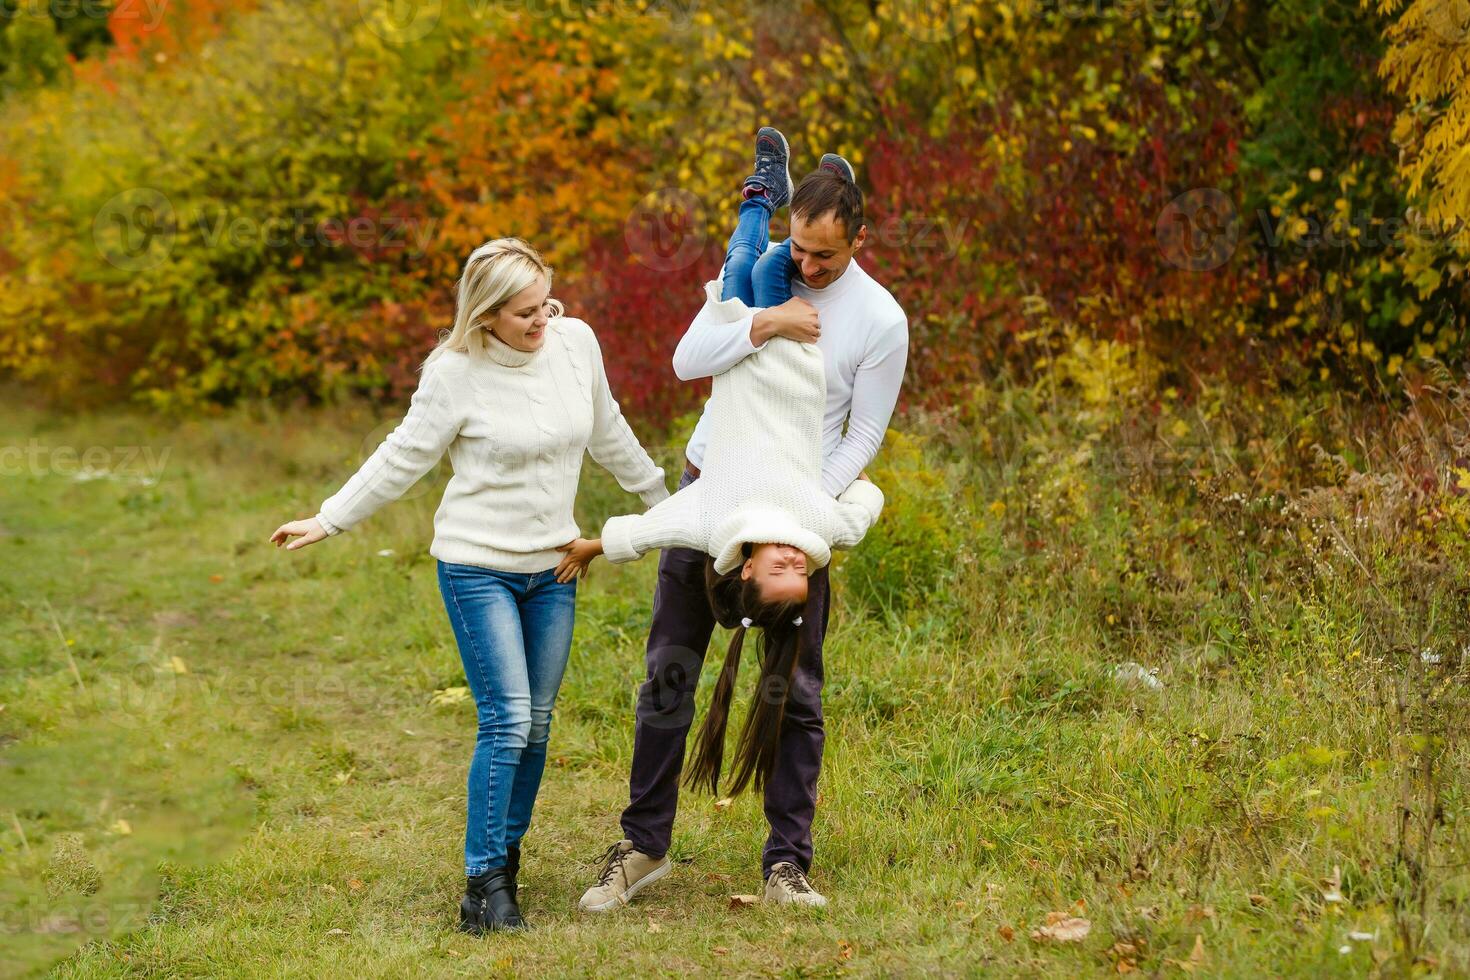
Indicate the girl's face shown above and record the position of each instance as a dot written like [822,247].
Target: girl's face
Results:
[521,322]
[779,571]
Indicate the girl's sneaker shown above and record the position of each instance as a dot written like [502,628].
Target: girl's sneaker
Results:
[839,166]
[772,177]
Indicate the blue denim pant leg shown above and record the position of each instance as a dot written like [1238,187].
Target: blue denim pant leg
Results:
[514,634]
[770,280]
[548,613]
[748,242]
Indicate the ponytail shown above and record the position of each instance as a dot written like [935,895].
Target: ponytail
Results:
[737,605]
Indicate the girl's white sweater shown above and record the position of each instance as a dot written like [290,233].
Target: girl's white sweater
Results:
[516,426]
[761,478]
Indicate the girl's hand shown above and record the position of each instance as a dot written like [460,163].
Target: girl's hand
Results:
[577,558]
[310,531]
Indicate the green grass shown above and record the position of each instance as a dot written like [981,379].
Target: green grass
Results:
[220,759]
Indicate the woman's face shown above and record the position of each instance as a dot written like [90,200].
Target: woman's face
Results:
[521,322]
[779,571]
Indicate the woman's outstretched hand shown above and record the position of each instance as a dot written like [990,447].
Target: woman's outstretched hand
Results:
[310,531]
[576,558]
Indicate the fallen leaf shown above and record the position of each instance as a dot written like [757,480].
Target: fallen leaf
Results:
[1198,913]
[121,827]
[723,804]
[744,901]
[720,951]
[355,884]
[1196,956]
[450,695]
[177,665]
[844,949]
[654,926]
[1258,900]
[1332,886]
[1063,928]
[216,579]
[1007,933]
[336,932]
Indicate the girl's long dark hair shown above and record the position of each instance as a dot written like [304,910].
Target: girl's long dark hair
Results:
[778,650]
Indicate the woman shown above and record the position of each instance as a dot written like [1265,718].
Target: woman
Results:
[758,508]
[515,392]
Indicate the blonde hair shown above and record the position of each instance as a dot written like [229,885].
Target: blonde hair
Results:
[493,274]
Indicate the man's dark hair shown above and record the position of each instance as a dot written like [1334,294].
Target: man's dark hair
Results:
[822,192]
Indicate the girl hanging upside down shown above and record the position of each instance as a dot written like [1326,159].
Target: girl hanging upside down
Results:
[758,508]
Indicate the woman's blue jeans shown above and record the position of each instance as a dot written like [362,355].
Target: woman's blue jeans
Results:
[515,634]
[758,277]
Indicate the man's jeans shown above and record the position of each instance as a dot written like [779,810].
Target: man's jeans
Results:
[515,634]
[677,640]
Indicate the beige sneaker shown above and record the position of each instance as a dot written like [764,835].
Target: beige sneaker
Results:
[787,885]
[624,873]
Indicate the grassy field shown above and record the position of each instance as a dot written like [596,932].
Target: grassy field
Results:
[220,759]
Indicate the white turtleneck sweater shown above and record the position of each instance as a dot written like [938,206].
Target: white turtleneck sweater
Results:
[516,425]
[761,480]
[864,342]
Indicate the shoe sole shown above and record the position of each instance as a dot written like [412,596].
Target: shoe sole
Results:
[840,168]
[633,889]
[786,151]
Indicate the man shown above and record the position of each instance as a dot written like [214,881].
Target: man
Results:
[865,348]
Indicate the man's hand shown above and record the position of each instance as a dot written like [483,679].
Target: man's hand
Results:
[795,319]
[576,558]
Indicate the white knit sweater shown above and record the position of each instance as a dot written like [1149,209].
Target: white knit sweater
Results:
[761,480]
[516,425]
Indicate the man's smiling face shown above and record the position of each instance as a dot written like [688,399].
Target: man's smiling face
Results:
[820,247]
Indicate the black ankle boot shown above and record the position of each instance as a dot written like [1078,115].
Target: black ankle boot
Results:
[489,904]
[513,868]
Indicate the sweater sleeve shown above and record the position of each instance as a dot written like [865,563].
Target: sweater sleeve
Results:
[855,512]
[410,451]
[874,394]
[672,523]
[717,340]
[613,445]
